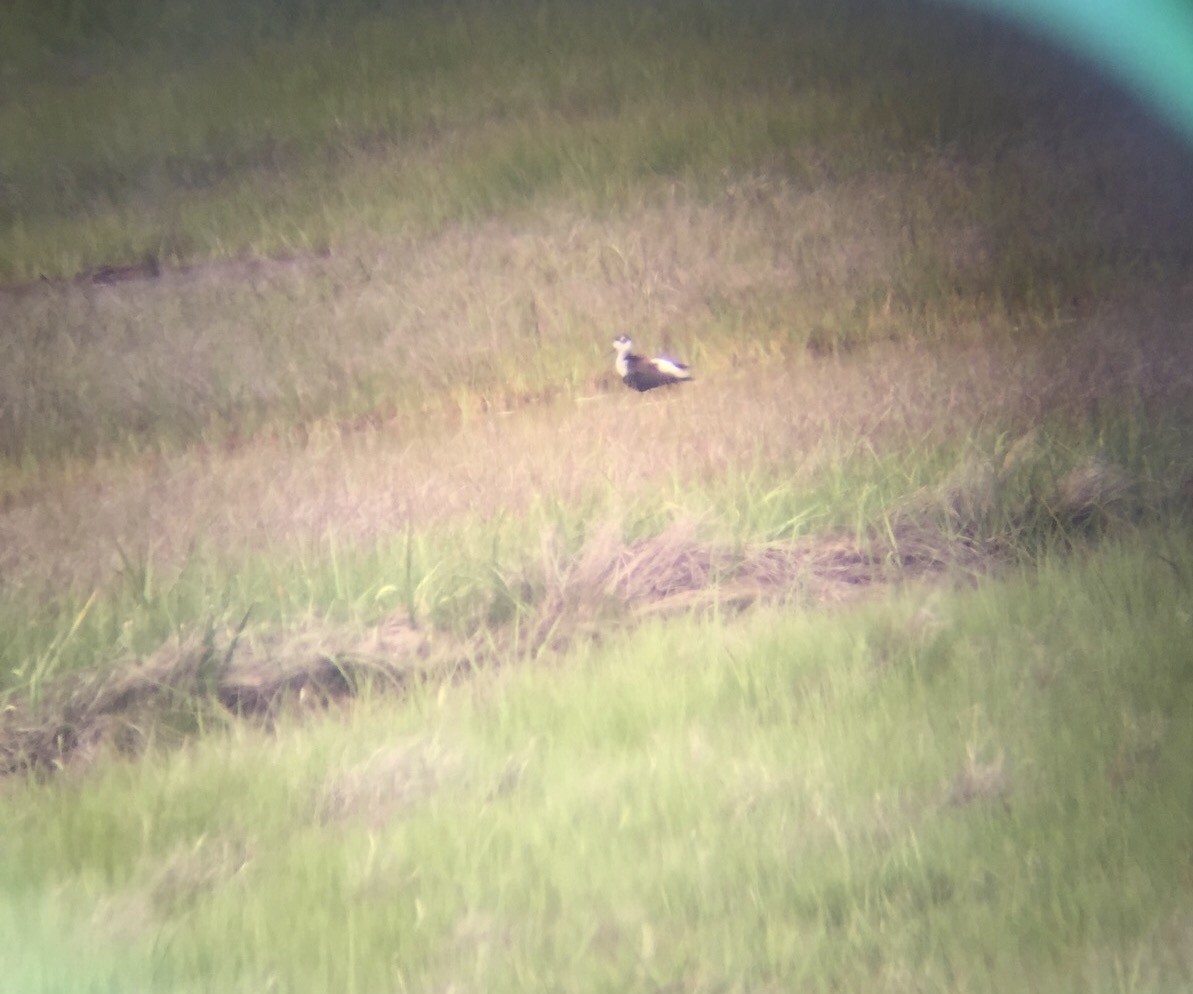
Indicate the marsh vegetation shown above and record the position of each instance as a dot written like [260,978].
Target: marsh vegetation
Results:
[361,632]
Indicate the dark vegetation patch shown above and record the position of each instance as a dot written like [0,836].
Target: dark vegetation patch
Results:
[200,681]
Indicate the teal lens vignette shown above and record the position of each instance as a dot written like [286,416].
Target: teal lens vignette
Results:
[1147,45]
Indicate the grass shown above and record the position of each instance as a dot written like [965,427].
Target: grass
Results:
[358,631]
[765,269]
[944,790]
[255,531]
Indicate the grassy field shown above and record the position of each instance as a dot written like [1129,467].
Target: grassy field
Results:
[359,631]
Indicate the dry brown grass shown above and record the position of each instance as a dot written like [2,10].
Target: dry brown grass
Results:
[468,374]
[490,315]
[66,527]
[494,314]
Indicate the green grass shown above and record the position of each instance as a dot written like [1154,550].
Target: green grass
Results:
[331,128]
[970,790]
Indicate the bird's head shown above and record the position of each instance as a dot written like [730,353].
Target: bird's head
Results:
[623,344]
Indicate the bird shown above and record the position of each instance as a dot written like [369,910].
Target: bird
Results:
[642,374]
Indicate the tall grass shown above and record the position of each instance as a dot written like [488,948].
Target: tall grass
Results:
[390,332]
[1008,497]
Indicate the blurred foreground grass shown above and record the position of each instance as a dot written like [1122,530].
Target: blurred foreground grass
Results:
[938,791]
